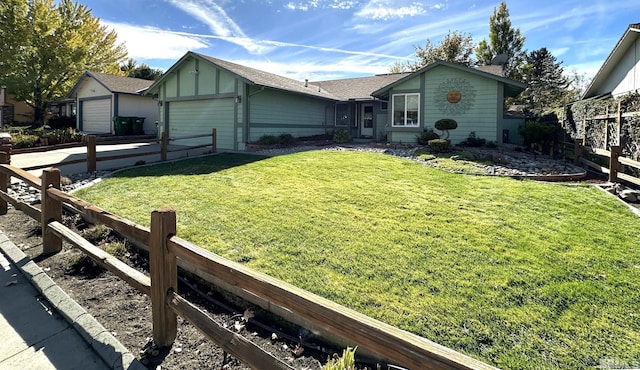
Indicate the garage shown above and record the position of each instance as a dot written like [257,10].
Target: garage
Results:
[195,117]
[96,116]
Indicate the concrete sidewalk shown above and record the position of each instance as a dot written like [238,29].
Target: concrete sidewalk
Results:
[41,327]
[59,155]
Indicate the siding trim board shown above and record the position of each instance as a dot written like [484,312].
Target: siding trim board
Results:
[285,125]
[201,97]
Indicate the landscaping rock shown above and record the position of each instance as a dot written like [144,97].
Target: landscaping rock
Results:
[629,195]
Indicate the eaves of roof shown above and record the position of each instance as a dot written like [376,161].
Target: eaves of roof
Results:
[625,42]
[115,84]
[253,76]
[512,87]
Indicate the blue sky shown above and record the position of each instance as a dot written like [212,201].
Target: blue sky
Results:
[329,39]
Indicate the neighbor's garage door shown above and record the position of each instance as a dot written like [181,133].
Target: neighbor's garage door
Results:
[96,116]
[188,118]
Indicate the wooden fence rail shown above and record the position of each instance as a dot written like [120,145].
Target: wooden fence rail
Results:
[615,160]
[166,250]
[92,154]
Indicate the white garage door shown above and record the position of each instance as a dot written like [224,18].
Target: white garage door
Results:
[188,118]
[96,116]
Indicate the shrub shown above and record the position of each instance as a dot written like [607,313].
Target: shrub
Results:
[96,234]
[538,132]
[272,140]
[439,145]
[346,362]
[268,140]
[426,136]
[286,140]
[342,136]
[62,122]
[19,140]
[473,141]
[446,124]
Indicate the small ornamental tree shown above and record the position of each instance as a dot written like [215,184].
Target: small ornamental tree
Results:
[445,125]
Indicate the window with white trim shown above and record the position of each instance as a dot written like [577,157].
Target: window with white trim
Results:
[406,110]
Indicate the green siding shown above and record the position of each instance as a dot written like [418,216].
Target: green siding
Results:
[403,137]
[207,83]
[274,112]
[514,125]
[411,84]
[227,82]
[171,87]
[188,76]
[481,116]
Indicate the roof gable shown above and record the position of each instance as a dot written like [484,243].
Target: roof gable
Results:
[512,88]
[253,76]
[115,84]
[627,40]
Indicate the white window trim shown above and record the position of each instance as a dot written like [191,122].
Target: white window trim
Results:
[393,110]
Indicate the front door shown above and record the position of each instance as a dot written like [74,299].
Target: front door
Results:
[366,124]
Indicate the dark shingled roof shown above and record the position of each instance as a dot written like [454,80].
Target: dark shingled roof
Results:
[359,88]
[493,69]
[262,78]
[121,84]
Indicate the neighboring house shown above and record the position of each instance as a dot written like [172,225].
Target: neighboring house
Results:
[620,73]
[199,93]
[14,111]
[100,97]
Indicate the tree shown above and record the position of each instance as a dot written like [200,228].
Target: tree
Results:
[503,40]
[547,85]
[47,46]
[131,69]
[455,47]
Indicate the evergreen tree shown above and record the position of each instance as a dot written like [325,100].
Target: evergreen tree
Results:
[547,86]
[46,45]
[456,47]
[131,69]
[505,40]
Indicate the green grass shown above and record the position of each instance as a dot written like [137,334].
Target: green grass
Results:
[520,274]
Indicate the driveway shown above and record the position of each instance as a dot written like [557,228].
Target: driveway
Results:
[53,157]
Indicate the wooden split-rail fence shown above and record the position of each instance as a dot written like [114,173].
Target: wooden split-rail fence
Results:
[167,250]
[92,158]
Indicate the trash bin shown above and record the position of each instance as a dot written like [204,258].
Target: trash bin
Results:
[121,125]
[137,125]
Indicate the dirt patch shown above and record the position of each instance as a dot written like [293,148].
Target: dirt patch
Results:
[126,313]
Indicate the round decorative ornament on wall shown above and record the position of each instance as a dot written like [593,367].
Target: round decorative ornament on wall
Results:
[455,96]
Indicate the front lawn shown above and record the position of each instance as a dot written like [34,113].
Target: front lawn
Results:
[519,274]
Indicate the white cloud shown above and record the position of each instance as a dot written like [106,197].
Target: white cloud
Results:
[317,69]
[154,43]
[384,10]
[344,5]
[211,14]
[321,4]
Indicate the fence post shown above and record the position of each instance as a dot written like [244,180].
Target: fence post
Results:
[164,143]
[614,163]
[577,151]
[164,276]
[91,153]
[214,140]
[4,183]
[619,122]
[51,210]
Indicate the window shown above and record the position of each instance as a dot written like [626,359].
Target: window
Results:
[342,115]
[406,110]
